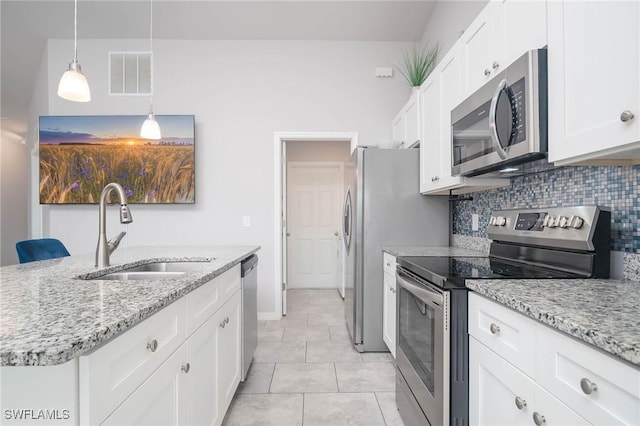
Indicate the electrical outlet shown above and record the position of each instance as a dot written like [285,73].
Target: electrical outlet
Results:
[474,222]
[246,221]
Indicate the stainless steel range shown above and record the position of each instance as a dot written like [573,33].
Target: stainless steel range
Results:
[432,349]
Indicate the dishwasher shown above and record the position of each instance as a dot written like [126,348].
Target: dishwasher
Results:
[249,273]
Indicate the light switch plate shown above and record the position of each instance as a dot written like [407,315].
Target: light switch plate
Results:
[474,222]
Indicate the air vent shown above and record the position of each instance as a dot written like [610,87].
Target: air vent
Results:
[130,73]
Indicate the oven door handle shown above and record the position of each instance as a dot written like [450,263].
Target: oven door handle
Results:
[493,111]
[421,291]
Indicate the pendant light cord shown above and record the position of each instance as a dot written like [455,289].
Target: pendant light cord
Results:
[151,49]
[75,32]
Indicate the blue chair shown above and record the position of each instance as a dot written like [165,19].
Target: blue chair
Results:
[41,249]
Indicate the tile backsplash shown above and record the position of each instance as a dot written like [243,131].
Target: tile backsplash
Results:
[615,187]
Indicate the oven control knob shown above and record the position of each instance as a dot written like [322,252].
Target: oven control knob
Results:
[562,221]
[576,222]
[549,221]
[492,221]
[501,221]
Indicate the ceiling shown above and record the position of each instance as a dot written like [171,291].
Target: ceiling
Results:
[26,25]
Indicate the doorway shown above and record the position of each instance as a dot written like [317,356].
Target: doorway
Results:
[310,208]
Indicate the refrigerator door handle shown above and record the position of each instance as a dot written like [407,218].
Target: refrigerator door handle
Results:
[346,220]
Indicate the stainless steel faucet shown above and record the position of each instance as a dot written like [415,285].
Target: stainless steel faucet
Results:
[105,248]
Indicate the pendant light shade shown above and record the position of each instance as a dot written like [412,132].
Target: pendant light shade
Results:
[73,85]
[150,128]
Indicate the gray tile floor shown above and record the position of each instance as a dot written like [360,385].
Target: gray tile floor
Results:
[306,372]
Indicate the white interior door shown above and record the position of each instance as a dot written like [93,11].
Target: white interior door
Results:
[314,210]
[285,233]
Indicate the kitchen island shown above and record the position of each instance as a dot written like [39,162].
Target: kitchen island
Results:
[57,321]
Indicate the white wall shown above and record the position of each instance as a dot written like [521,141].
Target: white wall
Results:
[449,20]
[241,92]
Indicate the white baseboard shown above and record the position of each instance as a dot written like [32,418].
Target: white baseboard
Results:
[269,316]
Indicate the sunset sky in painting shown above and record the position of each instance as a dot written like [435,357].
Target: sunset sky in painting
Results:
[112,129]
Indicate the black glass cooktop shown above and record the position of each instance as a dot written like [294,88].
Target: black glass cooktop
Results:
[452,271]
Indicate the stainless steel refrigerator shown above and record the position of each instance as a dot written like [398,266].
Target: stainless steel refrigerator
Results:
[383,207]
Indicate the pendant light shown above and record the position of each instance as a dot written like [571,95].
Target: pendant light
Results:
[150,128]
[73,85]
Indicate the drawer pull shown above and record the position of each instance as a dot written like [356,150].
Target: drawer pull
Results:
[186,367]
[520,403]
[152,345]
[539,419]
[588,386]
[626,116]
[495,328]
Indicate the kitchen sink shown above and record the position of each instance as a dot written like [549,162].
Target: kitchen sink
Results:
[153,271]
[177,267]
[134,275]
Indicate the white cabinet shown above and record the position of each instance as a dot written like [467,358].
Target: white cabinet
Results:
[158,401]
[439,94]
[406,125]
[229,351]
[180,366]
[501,33]
[481,47]
[569,382]
[389,302]
[500,394]
[594,82]
[201,402]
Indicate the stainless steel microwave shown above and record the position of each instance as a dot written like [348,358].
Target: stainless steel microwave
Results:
[503,125]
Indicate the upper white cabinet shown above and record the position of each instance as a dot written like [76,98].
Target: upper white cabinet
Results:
[439,94]
[406,125]
[594,81]
[501,33]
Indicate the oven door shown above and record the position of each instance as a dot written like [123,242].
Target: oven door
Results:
[423,344]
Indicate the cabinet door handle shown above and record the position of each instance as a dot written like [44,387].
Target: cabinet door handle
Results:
[226,320]
[186,367]
[222,324]
[626,116]
[152,345]
[588,386]
[487,71]
[539,419]
[495,65]
[494,328]
[520,403]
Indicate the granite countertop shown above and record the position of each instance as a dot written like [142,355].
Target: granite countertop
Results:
[48,315]
[602,312]
[433,251]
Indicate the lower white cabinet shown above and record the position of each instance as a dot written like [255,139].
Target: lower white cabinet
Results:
[500,394]
[389,303]
[159,400]
[229,351]
[180,366]
[523,372]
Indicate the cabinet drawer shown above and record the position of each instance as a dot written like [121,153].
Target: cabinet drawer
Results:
[111,373]
[231,282]
[563,363]
[203,302]
[506,332]
[389,263]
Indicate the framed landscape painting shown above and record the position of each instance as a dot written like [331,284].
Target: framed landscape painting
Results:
[79,155]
